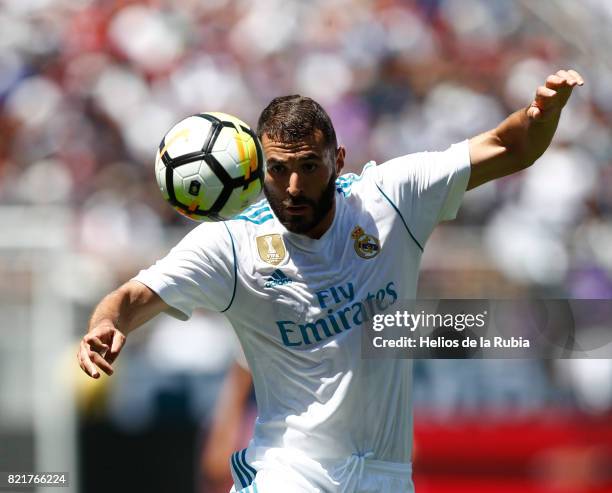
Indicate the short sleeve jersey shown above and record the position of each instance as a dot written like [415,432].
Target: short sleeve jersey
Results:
[298,304]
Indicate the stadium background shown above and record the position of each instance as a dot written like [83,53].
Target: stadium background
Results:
[87,89]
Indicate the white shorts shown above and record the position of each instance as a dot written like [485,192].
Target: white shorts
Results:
[285,471]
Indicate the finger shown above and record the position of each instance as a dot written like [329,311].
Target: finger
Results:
[96,343]
[534,112]
[116,345]
[563,74]
[85,362]
[568,77]
[101,362]
[577,76]
[557,82]
[544,97]
[545,92]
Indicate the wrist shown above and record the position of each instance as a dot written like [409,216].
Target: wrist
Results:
[102,323]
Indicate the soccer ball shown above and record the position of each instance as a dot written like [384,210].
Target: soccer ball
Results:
[210,166]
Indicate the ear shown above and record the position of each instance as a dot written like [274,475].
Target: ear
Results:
[340,155]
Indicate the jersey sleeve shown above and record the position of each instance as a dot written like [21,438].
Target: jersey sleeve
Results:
[427,187]
[199,272]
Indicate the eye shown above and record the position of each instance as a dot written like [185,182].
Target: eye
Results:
[276,169]
[309,167]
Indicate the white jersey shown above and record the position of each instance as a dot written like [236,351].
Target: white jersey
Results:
[298,304]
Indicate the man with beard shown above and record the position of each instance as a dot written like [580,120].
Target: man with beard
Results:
[298,275]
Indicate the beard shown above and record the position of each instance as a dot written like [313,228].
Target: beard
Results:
[303,223]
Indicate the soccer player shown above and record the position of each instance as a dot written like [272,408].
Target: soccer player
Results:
[295,275]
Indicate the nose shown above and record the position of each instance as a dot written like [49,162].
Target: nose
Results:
[294,187]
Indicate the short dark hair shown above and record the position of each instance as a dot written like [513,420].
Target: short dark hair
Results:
[295,117]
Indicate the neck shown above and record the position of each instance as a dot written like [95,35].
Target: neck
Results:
[323,225]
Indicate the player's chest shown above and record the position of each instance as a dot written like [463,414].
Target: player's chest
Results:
[301,298]
[361,258]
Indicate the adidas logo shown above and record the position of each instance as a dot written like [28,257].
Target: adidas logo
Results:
[278,278]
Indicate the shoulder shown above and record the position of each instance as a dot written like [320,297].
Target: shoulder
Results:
[402,168]
[206,240]
[454,153]
[206,231]
[256,220]
[351,183]
[424,168]
[256,214]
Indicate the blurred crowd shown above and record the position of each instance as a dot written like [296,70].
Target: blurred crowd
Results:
[89,87]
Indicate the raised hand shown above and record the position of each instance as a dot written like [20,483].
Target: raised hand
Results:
[551,97]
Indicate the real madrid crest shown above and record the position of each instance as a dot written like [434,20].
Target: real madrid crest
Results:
[366,246]
[271,248]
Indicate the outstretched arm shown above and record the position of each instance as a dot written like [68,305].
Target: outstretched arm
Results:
[524,136]
[116,315]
